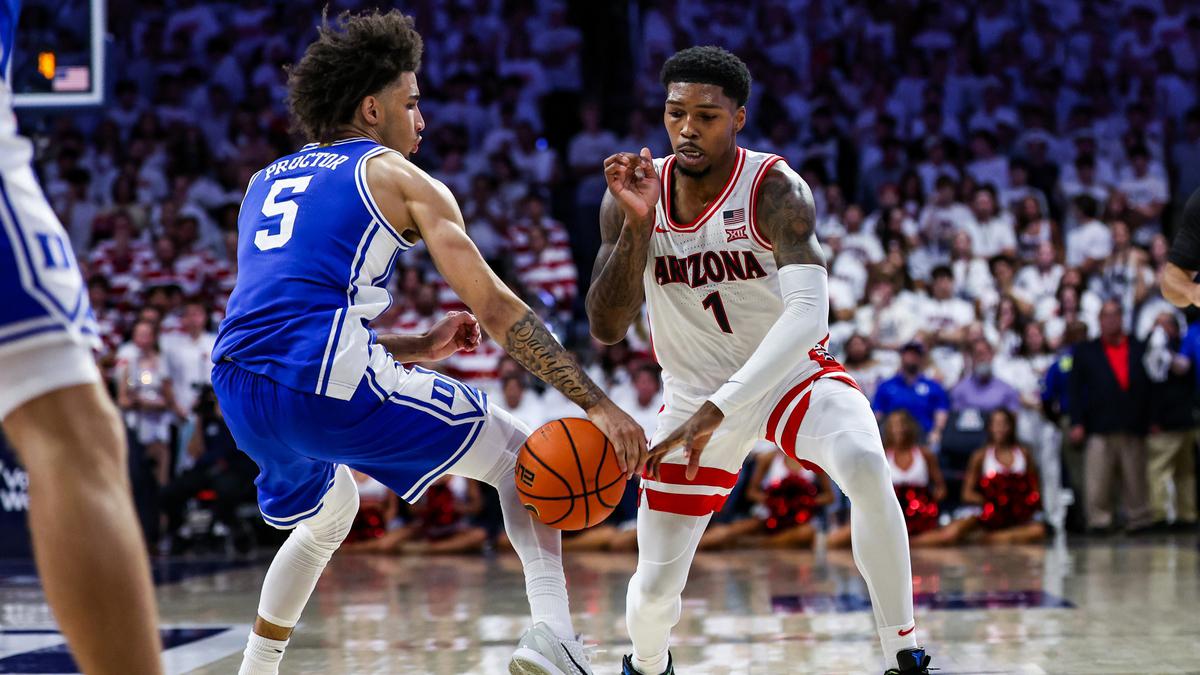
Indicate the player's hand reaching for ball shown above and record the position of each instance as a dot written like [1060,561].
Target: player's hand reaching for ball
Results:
[693,435]
[626,435]
[457,331]
[633,181]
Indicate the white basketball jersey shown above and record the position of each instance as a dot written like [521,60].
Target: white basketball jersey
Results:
[712,291]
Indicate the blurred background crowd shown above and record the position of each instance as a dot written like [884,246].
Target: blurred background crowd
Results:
[996,184]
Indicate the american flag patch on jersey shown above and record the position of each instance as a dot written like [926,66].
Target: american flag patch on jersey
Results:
[734,217]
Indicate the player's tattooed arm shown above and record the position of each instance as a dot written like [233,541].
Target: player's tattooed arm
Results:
[539,352]
[626,224]
[788,218]
[531,344]
[616,294]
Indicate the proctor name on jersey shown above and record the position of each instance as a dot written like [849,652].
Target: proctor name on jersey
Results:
[707,267]
[321,160]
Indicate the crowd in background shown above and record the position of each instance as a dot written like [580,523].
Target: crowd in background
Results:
[995,185]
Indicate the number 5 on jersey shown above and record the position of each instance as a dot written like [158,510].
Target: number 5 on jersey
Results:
[263,238]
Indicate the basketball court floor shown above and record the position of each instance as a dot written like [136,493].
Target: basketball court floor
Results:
[1120,606]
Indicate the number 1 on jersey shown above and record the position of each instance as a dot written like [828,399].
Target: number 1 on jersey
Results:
[713,302]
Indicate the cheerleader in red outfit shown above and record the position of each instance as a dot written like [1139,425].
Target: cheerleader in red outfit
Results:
[1003,479]
[785,495]
[917,480]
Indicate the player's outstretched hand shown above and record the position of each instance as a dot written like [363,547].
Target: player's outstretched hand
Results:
[633,181]
[457,331]
[693,435]
[626,435]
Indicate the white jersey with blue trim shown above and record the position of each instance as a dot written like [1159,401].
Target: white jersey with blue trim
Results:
[315,254]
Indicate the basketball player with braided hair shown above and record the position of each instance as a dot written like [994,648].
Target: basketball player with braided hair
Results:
[718,242]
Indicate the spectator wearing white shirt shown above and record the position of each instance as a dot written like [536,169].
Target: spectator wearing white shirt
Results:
[1081,178]
[992,229]
[586,153]
[858,241]
[936,165]
[944,315]
[986,167]
[868,366]
[1039,281]
[888,320]
[188,355]
[942,219]
[520,401]
[1089,244]
[1145,193]
[643,400]
[971,273]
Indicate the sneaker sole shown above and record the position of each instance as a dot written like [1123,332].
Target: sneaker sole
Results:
[525,661]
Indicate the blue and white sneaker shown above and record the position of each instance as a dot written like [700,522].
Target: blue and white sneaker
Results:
[541,652]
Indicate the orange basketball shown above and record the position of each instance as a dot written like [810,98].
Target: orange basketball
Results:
[567,474]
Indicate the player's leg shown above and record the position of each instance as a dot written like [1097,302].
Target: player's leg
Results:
[314,498]
[493,459]
[89,548]
[836,429]
[293,574]
[667,543]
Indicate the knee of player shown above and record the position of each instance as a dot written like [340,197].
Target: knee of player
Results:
[648,593]
[333,522]
[859,459]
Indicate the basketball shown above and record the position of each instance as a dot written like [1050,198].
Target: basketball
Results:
[567,474]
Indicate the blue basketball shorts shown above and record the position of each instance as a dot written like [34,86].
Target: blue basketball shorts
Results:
[405,427]
[47,328]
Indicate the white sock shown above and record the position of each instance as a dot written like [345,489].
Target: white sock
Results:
[262,655]
[653,666]
[892,640]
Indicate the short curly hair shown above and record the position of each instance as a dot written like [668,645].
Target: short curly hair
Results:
[356,56]
[709,65]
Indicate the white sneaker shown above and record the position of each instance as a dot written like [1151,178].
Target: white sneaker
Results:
[541,652]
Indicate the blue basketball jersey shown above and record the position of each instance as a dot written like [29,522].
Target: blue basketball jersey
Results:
[314,258]
[9,10]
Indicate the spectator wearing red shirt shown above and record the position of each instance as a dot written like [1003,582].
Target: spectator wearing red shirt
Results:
[1109,390]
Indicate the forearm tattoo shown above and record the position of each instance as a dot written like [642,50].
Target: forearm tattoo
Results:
[534,347]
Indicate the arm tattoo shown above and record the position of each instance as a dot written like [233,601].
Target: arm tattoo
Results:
[535,348]
[616,292]
[787,216]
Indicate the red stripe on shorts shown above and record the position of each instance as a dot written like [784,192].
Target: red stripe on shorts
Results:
[787,438]
[684,505]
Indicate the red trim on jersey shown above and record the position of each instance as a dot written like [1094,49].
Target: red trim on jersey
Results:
[681,504]
[754,231]
[676,474]
[668,177]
